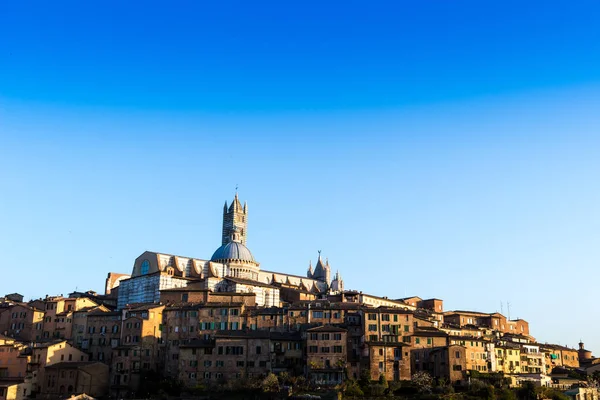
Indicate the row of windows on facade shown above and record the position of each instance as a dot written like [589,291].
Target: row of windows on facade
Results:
[9,361]
[388,328]
[69,358]
[326,349]
[211,326]
[211,312]
[221,363]
[472,343]
[236,311]
[390,338]
[115,328]
[385,317]
[232,326]
[325,336]
[218,375]
[113,342]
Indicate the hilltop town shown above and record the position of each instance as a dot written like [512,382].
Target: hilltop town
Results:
[204,323]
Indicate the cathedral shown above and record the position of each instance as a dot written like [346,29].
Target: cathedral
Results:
[232,268]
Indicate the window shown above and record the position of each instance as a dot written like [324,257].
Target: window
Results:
[325,336]
[417,340]
[258,349]
[240,363]
[372,327]
[145,267]
[324,349]
[337,336]
[457,367]
[338,349]
[457,354]
[313,349]
[207,363]
[220,363]
[317,314]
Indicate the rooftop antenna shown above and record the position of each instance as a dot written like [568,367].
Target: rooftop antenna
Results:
[508,306]
[501,308]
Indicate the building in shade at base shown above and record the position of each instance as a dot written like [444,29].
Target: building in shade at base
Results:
[232,268]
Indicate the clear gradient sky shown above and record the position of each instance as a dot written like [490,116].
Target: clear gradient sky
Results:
[439,149]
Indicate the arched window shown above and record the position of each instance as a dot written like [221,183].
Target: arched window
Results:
[145,267]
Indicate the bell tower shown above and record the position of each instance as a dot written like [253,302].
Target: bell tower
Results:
[235,216]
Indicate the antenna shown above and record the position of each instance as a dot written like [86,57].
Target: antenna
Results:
[508,306]
[501,308]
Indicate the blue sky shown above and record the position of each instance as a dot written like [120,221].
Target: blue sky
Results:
[440,149]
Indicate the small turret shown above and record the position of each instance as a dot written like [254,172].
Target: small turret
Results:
[337,284]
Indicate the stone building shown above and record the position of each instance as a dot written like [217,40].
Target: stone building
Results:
[326,354]
[22,322]
[68,378]
[228,355]
[508,356]
[389,359]
[45,354]
[559,356]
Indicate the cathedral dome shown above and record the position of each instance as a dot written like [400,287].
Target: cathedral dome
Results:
[233,251]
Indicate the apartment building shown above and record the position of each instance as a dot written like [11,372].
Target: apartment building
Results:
[326,354]
[227,356]
[22,321]
[68,378]
[532,359]
[559,356]
[508,356]
[45,354]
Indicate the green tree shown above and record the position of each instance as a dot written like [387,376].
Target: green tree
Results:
[352,389]
[270,383]
[365,378]
[527,391]
[382,381]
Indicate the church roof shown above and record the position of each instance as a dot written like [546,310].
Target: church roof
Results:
[233,251]
[320,269]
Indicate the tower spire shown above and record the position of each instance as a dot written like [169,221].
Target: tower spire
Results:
[237,216]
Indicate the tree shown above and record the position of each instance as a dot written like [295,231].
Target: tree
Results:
[423,381]
[382,381]
[527,391]
[365,378]
[352,389]
[270,383]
